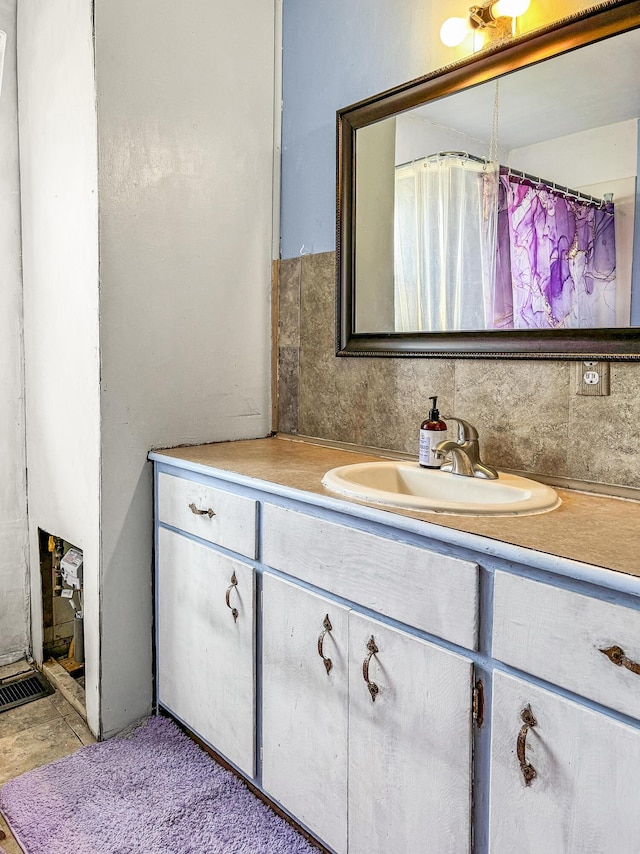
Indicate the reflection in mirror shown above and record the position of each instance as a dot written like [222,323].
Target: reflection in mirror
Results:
[508,205]
[491,207]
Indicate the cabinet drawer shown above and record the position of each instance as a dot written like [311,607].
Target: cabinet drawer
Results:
[225,519]
[432,592]
[560,636]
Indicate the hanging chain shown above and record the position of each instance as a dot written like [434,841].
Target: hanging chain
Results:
[493,143]
[489,189]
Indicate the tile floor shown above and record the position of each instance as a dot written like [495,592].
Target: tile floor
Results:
[35,734]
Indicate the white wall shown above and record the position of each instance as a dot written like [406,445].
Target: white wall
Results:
[185,118]
[60,250]
[174,345]
[590,157]
[14,607]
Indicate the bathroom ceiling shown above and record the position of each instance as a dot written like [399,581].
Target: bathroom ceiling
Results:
[585,88]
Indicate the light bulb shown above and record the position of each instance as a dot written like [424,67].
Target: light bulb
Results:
[454,31]
[510,8]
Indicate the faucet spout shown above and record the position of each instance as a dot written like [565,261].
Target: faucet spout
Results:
[464,453]
[459,459]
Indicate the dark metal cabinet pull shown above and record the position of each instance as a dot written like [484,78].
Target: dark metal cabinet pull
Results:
[197,512]
[373,688]
[617,656]
[328,664]
[529,721]
[234,583]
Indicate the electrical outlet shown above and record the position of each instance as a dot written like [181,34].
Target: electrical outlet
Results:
[592,378]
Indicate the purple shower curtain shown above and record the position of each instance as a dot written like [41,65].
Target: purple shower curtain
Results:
[556,259]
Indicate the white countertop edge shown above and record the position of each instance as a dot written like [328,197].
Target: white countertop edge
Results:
[598,575]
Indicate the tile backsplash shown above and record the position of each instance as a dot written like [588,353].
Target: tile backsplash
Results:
[527,412]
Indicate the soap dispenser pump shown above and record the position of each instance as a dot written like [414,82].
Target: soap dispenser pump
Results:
[431,431]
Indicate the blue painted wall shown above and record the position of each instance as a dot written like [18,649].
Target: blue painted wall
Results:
[336,52]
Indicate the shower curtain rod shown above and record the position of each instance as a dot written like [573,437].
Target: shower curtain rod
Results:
[516,173]
[463,155]
[564,191]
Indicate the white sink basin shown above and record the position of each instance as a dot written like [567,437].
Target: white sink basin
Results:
[408,485]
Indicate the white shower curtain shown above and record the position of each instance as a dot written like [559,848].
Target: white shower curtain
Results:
[445,244]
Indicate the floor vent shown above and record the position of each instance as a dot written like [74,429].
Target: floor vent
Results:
[23,689]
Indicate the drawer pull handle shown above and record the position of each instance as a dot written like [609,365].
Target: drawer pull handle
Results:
[328,664]
[197,512]
[617,656]
[373,688]
[234,583]
[528,720]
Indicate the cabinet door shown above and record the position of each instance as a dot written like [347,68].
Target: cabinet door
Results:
[304,714]
[581,796]
[410,729]
[206,645]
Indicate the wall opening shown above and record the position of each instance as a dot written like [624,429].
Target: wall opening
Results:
[61,573]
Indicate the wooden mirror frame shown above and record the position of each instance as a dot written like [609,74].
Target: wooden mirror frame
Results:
[613,344]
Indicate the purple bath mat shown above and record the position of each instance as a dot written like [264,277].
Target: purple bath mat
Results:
[155,792]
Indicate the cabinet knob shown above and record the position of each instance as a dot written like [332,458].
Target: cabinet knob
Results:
[234,611]
[198,512]
[529,721]
[616,655]
[373,688]
[326,624]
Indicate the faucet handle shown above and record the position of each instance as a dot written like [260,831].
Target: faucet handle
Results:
[466,431]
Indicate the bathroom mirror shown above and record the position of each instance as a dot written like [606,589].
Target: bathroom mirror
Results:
[491,208]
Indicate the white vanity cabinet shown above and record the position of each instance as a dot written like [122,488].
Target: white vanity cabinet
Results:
[367,730]
[396,686]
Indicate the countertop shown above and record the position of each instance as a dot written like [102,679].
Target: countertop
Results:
[592,529]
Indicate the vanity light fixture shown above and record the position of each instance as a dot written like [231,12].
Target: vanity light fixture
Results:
[495,19]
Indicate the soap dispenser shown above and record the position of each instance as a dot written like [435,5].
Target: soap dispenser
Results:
[431,433]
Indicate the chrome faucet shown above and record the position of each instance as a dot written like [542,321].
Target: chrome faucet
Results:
[464,454]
